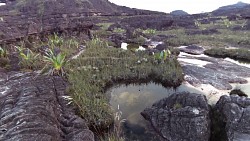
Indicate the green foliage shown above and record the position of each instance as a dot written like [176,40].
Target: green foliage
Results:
[96,43]
[162,56]
[99,67]
[56,61]
[3,52]
[119,30]
[149,31]
[238,54]
[55,41]
[29,59]
[177,106]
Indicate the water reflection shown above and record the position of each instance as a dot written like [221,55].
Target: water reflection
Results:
[133,99]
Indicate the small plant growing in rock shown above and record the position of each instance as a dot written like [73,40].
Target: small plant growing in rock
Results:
[177,106]
[28,58]
[4,61]
[55,41]
[56,61]
[3,53]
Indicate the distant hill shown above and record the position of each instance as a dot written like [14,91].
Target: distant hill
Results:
[238,8]
[179,13]
[70,6]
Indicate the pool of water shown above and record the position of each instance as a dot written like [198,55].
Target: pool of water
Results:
[133,99]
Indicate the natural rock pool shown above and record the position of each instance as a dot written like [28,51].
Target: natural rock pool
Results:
[133,99]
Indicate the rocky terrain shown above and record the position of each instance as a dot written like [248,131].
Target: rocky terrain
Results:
[214,71]
[187,116]
[35,108]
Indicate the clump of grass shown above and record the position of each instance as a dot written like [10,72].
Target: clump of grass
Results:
[116,133]
[119,30]
[149,31]
[3,52]
[238,54]
[4,61]
[99,67]
[55,41]
[56,61]
[177,106]
[29,59]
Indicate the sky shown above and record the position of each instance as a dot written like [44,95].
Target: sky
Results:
[190,6]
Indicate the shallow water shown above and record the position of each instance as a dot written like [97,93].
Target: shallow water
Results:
[133,99]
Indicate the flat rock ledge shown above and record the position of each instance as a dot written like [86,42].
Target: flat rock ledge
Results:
[33,108]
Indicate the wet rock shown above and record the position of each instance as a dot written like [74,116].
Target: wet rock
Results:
[180,117]
[233,114]
[217,72]
[192,49]
[33,107]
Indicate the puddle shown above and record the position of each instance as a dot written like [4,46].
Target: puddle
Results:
[132,47]
[133,99]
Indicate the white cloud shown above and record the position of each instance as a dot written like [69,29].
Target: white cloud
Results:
[190,6]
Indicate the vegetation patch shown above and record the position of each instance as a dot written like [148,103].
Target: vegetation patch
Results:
[238,92]
[238,54]
[100,67]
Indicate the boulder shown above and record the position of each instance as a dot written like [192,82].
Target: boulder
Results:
[233,115]
[180,117]
[34,107]
[192,49]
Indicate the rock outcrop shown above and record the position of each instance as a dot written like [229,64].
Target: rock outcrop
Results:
[34,108]
[214,71]
[232,119]
[180,117]
[192,49]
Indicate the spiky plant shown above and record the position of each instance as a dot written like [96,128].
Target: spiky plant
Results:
[3,53]
[56,61]
[28,58]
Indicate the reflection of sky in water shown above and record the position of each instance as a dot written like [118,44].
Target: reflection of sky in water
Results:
[133,99]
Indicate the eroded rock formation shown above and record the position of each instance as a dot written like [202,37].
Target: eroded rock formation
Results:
[180,117]
[34,108]
[232,119]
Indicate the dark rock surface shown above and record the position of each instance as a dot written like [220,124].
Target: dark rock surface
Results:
[20,19]
[218,72]
[192,49]
[180,117]
[34,108]
[202,32]
[233,115]
[159,22]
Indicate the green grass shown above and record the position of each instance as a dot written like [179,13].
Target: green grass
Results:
[226,38]
[238,54]
[100,67]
